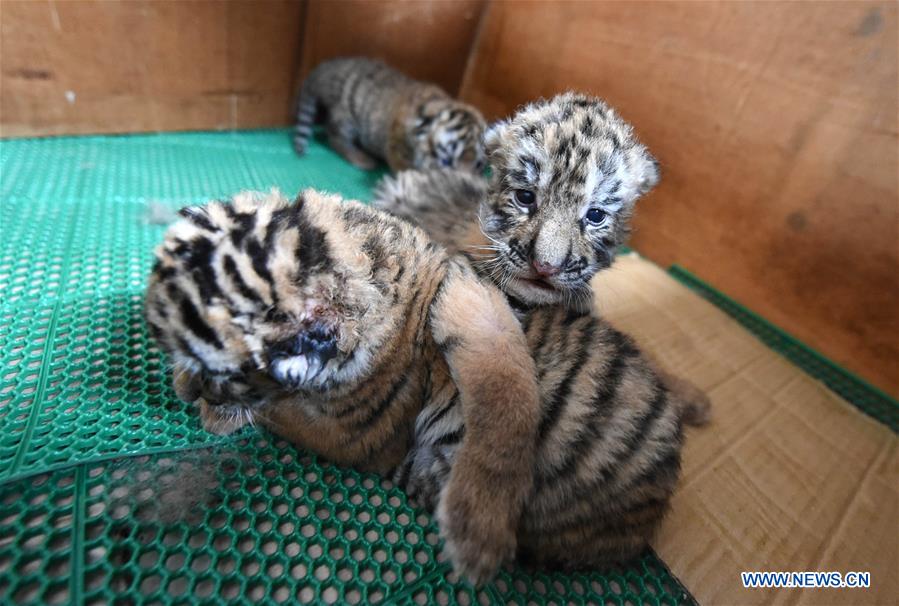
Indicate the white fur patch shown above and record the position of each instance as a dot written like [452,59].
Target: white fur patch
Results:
[295,369]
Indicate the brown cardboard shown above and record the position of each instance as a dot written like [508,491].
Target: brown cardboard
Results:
[788,477]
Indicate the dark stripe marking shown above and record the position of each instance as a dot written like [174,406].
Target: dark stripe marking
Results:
[245,290]
[198,325]
[375,413]
[553,412]
[435,417]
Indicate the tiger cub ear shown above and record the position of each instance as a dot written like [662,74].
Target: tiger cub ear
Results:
[424,115]
[646,170]
[494,136]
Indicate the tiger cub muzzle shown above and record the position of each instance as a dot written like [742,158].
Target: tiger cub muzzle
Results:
[544,280]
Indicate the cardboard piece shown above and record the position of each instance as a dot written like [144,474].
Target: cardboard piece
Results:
[787,477]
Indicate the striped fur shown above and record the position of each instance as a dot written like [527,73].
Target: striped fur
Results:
[374,111]
[608,448]
[584,169]
[610,435]
[333,324]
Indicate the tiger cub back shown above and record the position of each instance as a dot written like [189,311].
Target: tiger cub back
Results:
[373,111]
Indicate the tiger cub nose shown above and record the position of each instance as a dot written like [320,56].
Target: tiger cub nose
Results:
[545,270]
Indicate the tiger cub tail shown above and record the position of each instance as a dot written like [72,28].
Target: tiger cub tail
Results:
[307,110]
[694,404]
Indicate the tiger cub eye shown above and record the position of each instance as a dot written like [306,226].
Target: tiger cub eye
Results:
[595,216]
[525,198]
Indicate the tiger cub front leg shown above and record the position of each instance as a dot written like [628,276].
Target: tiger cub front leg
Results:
[222,419]
[492,475]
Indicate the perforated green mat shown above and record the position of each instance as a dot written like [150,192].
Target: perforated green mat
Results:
[90,429]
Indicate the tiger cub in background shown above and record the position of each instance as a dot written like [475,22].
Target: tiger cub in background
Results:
[374,111]
[333,324]
[566,175]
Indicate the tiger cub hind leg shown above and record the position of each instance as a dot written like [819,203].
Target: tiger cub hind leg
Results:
[492,475]
[344,144]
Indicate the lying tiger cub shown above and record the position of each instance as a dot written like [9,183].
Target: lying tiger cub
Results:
[333,324]
[374,111]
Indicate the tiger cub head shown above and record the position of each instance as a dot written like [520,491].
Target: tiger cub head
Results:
[446,133]
[566,173]
[262,295]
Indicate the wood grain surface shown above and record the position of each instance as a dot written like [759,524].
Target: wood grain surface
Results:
[427,39]
[109,67]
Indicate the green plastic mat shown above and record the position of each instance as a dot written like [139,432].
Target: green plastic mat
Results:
[90,429]
[850,387]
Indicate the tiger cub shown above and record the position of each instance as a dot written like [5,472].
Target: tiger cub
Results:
[374,111]
[565,176]
[332,324]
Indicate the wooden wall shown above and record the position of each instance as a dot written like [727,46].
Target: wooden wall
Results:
[776,128]
[427,39]
[124,66]
[97,67]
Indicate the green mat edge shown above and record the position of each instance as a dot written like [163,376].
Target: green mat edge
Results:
[286,129]
[838,379]
[686,595]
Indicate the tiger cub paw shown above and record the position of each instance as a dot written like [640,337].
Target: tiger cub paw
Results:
[478,533]
[221,420]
